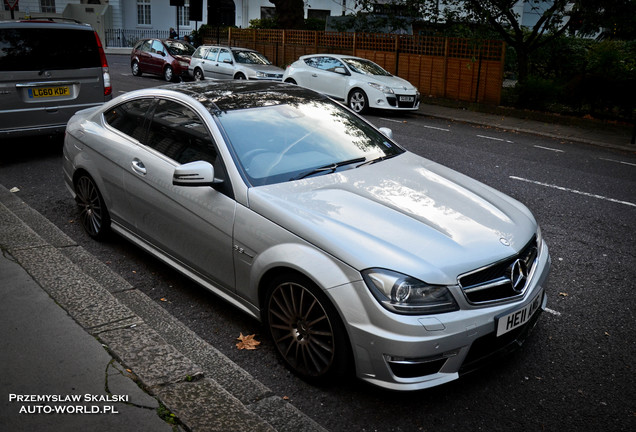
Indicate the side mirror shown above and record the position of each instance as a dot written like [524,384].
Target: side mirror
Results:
[228,61]
[386,132]
[162,53]
[341,71]
[198,173]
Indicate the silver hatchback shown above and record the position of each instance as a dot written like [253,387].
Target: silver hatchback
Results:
[48,71]
[218,62]
[351,250]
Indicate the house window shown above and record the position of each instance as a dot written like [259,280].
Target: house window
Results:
[143,12]
[47,6]
[184,14]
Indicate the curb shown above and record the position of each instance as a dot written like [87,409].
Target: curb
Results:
[195,381]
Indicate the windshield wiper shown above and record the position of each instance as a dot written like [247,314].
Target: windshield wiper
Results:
[378,159]
[328,168]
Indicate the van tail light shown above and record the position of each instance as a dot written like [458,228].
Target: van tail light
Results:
[108,89]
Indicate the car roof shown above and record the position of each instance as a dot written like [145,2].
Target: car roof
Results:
[225,46]
[221,96]
[338,56]
[46,23]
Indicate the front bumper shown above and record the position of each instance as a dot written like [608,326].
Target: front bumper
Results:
[402,352]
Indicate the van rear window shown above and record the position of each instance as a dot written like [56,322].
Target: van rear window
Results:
[37,49]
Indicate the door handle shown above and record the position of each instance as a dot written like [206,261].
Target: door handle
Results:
[138,167]
[314,75]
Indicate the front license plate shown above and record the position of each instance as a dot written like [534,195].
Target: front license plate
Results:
[44,92]
[407,98]
[518,318]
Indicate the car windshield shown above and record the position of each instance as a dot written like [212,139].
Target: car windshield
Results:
[365,67]
[304,138]
[250,57]
[176,47]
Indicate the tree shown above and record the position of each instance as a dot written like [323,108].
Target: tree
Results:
[290,13]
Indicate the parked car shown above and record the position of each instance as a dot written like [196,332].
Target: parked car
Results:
[350,249]
[49,69]
[218,62]
[168,58]
[361,83]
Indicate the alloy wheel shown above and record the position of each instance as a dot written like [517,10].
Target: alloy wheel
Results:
[302,330]
[93,213]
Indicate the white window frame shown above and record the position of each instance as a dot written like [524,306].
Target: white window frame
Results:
[47,6]
[184,14]
[144,13]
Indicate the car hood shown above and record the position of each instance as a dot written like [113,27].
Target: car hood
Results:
[406,214]
[396,83]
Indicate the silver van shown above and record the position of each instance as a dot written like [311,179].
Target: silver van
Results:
[49,70]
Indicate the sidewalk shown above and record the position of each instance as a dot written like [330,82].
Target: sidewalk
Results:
[71,328]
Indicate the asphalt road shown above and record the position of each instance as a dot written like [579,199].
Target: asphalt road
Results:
[576,372]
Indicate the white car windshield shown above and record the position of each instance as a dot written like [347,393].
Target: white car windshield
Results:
[285,142]
[250,57]
[365,67]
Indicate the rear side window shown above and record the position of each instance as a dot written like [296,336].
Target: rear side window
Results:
[130,118]
[37,49]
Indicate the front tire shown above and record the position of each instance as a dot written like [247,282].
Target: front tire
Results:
[306,329]
[240,76]
[94,215]
[198,75]
[358,101]
[168,74]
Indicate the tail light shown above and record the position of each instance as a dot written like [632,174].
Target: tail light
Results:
[108,89]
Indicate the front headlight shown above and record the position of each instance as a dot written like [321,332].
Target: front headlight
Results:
[260,74]
[406,295]
[382,88]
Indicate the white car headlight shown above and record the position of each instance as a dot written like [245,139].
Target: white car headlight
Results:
[406,295]
[382,88]
[260,74]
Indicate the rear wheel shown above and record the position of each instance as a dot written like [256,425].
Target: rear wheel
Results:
[198,74]
[240,76]
[306,329]
[136,70]
[168,74]
[94,215]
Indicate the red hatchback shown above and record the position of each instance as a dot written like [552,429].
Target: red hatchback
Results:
[169,58]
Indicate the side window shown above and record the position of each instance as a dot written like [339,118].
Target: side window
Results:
[211,55]
[225,55]
[179,133]
[129,118]
[146,46]
[328,63]
[157,47]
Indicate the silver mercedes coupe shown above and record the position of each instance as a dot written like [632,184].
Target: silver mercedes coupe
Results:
[354,253]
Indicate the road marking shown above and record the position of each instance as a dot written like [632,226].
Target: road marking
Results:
[437,128]
[553,312]
[551,149]
[495,139]
[393,120]
[617,161]
[574,191]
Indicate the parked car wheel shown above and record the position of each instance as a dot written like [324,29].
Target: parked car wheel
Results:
[358,101]
[306,329]
[168,74]
[198,74]
[94,215]
[240,76]
[136,70]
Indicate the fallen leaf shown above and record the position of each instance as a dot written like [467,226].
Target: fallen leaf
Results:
[285,397]
[562,294]
[163,299]
[247,342]
[14,190]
